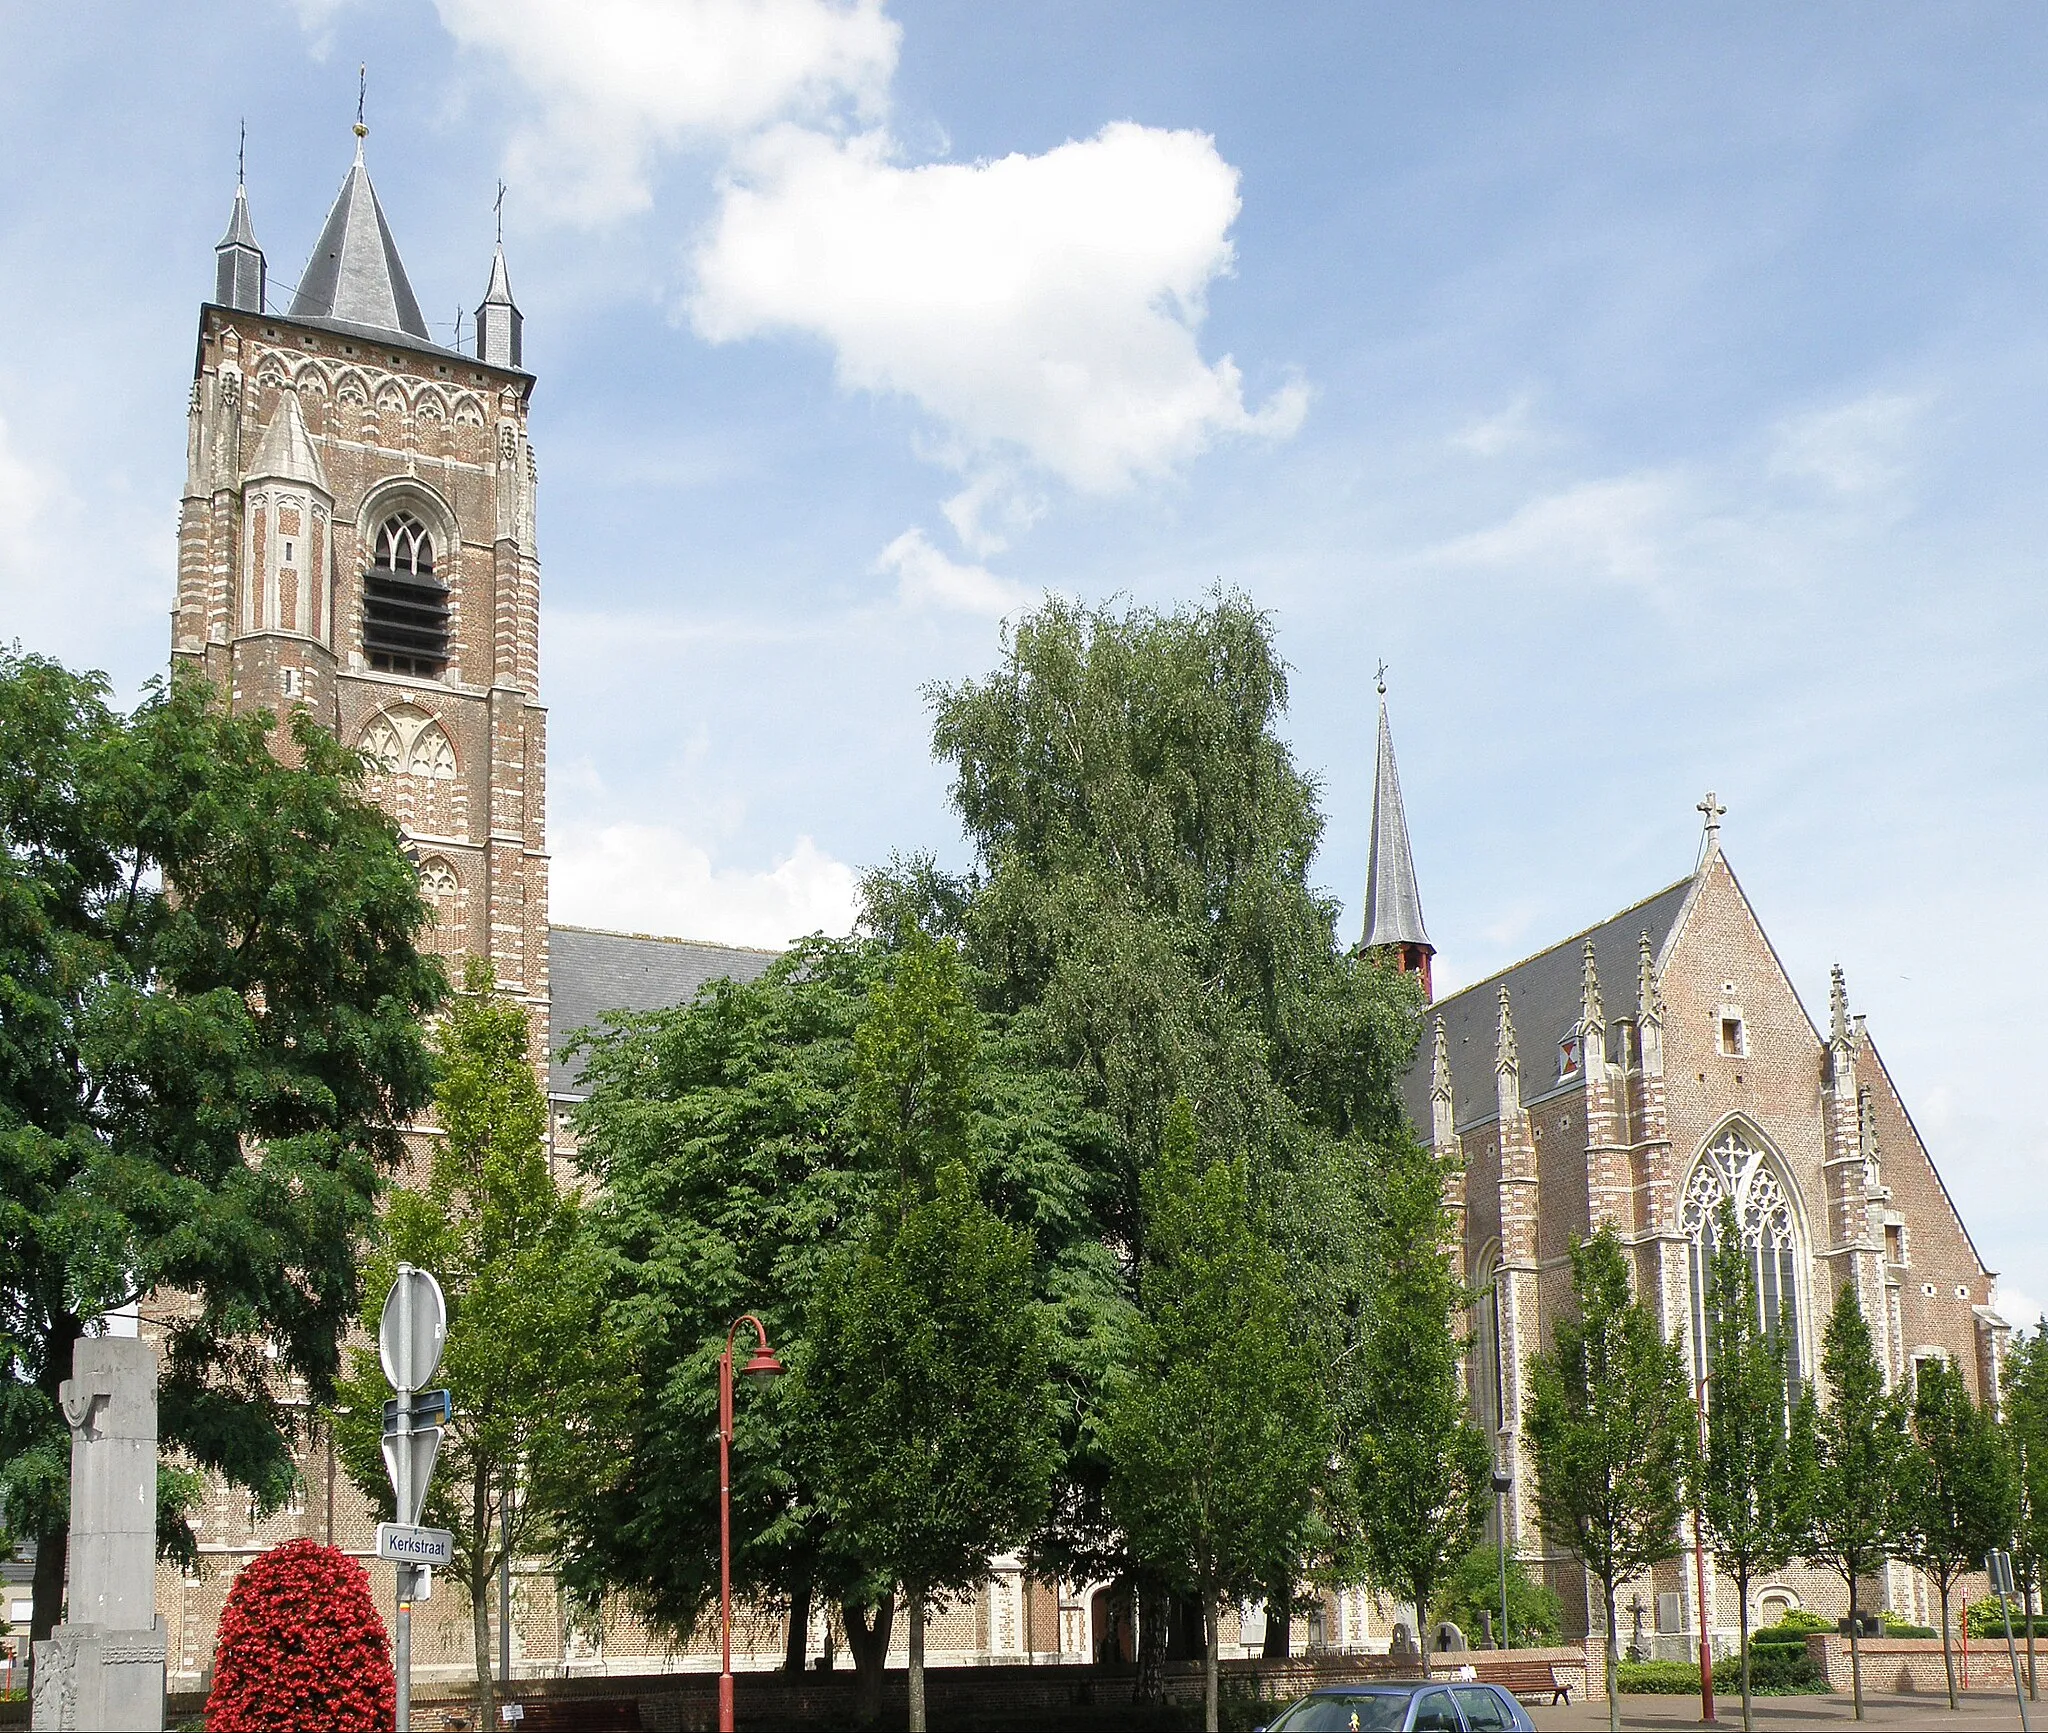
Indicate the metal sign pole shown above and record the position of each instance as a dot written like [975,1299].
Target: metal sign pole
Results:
[403,1489]
[1999,1565]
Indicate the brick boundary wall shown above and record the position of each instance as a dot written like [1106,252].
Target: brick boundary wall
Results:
[1911,1666]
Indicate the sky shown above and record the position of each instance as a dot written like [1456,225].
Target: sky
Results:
[1660,392]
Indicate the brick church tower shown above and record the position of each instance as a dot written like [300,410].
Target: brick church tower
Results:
[357,539]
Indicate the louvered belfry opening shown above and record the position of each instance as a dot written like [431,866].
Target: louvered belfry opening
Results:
[405,607]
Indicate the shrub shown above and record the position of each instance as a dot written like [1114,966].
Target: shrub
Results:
[1987,1621]
[1474,1591]
[1894,1627]
[301,1646]
[1774,1673]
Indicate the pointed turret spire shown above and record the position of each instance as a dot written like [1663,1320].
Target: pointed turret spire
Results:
[1507,1053]
[499,326]
[288,452]
[1393,902]
[239,272]
[355,275]
[1592,1014]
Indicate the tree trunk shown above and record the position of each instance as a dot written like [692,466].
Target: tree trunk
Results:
[1948,1659]
[479,1586]
[796,1650]
[1855,1648]
[1613,1661]
[867,1637]
[1154,1614]
[1742,1628]
[1280,1625]
[1209,1664]
[914,1596]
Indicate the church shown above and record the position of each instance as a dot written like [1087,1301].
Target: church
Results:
[358,537]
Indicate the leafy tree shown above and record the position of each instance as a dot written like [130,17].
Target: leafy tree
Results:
[1756,1470]
[1217,1432]
[1961,1498]
[1421,1470]
[210,1002]
[2026,1422]
[925,1380]
[1140,906]
[540,1384]
[734,1171]
[1864,1451]
[932,1423]
[1612,1426]
[1470,1596]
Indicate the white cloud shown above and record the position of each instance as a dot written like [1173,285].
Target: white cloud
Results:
[2022,1311]
[1616,529]
[1851,448]
[926,577]
[1037,305]
[1507,429]
[647,878]
[619,81]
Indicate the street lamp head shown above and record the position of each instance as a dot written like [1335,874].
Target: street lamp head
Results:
[764,1362]
[1503,1483]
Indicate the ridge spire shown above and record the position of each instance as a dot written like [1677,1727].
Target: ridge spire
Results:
[1393,901]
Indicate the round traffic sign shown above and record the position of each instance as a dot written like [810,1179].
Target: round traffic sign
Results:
[413,1329]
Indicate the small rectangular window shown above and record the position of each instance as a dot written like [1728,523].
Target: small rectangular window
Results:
[1894,1243]
[293,681]
[1731,1037]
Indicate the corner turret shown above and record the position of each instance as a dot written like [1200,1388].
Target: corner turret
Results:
[239,272]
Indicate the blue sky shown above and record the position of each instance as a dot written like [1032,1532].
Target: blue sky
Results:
[1662,392]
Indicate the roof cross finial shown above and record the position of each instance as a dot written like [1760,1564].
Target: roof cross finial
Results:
[242,156]
[362,96]
[1710,839]
[498,209]
[1380,678]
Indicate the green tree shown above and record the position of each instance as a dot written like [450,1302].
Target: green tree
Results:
[1421,1471]
[1217,1432]
[1613,1430]
[1756,1470]
[539,1382]
[931,1421]
[1864,1448]
[733,1171]
[1961,1499]
[2026,1421]
[1470,1597]
[925,1382]
[1140,905]
[211,996]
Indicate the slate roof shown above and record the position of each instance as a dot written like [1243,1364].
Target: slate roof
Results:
[288,452]
[1393,900]
[1544,995]
[593,972]
[355,276]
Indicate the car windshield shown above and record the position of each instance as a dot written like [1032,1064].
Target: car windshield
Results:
[1367,1711]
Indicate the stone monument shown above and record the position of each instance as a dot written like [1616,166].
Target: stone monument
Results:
[104,1666]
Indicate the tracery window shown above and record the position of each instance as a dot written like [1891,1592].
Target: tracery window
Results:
[1735,1171]
[437,879]
[405,607]
[406,741]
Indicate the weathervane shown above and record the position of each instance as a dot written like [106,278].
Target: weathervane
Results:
[242,155]
[362,94]
[1380,678]
[498,209]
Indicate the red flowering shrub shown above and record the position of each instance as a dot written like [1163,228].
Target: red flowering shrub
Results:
[301,1647]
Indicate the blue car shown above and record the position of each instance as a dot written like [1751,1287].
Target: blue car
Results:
[1457,1706]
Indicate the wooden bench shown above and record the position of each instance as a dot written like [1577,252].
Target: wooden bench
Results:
[1532,1678]
[578,1715]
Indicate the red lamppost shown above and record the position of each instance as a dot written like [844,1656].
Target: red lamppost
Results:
[763,1361]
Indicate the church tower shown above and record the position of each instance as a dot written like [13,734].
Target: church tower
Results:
[1393,902]
[357,540]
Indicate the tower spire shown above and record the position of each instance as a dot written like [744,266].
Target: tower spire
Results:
[355,276]
[1393,902]
[239,271]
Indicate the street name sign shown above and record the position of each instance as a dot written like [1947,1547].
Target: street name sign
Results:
[407,1545]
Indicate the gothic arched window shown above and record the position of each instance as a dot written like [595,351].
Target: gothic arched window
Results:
[1489,1385]
[1735,1171]
[405,607]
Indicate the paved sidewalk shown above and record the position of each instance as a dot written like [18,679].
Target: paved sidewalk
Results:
[1891,1714]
